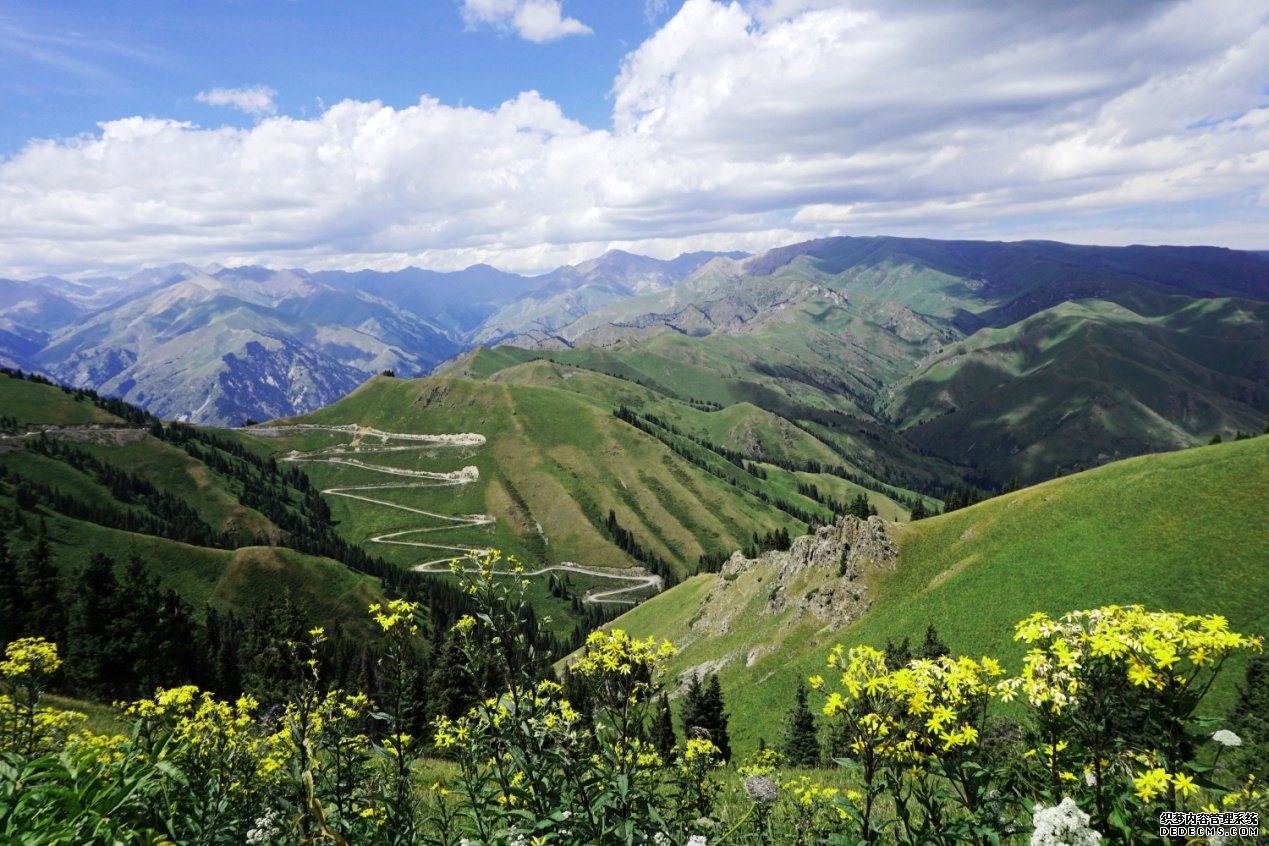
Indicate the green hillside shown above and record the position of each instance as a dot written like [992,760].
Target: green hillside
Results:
[323,592]
[35,403]
[96,483]
[1035,395]
[1180,531]
[936,364]
[552,458]
[558,479]
[695,382]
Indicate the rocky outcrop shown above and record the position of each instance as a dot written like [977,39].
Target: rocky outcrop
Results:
[823,574]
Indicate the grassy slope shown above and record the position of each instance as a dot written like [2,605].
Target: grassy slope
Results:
[1036,394]
[229,580]
[553,458]
[741,426]
[172,470]
[31,403]
[785,372]
[1180,531]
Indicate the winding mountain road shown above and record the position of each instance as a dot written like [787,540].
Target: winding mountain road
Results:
[342,454]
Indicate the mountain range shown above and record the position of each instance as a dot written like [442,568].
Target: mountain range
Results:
[218,345]
[926,362]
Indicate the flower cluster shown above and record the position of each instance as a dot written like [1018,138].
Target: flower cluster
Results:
[27,657]
[1157,649]
[397,615]
[212,735]
[617,652]
[1062,825]
[947,696]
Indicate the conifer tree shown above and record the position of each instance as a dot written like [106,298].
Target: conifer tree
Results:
[45,614]
[800,744]
[933,646]
[93,660]
[451,690]
[1250,721]
[704,715]
[663,737]
[12,601]
[691,713]
[899,655]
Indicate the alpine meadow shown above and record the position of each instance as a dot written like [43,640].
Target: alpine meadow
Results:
[691,423]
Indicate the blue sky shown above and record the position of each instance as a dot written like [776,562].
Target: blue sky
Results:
[66,66]
[530,133]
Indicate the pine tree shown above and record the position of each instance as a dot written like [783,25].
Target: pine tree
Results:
[932,647]
[800,744]
[1250,721]
[12,601]
[45,614]
[918,510]
[451,690]
[93,662]
[176,646]
[691,714]
[663,737]
[897,656]
[860,507]
[704,715]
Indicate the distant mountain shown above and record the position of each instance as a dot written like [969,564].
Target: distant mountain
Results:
[217,345]
[569,293]
[849,337]
[244,342]
[459,302]
[895,348]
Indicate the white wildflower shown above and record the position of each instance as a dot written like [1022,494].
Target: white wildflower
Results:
[264,830]
[1225,737]
[1063,825]
[697,840]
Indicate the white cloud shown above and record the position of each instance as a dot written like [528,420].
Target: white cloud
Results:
[733,127]
[254,100]
[534,20]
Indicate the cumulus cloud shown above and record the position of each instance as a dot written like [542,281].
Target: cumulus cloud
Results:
[254,100]
[733,127]
[534,20]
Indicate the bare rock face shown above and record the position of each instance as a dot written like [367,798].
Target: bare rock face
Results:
[823,574]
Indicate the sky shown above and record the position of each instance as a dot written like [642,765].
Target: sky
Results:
[527,134]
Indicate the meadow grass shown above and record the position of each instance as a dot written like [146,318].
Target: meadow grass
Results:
[1177,531]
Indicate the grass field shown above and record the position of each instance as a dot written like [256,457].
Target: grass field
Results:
[39,404]
[554,463]
[1179,531]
